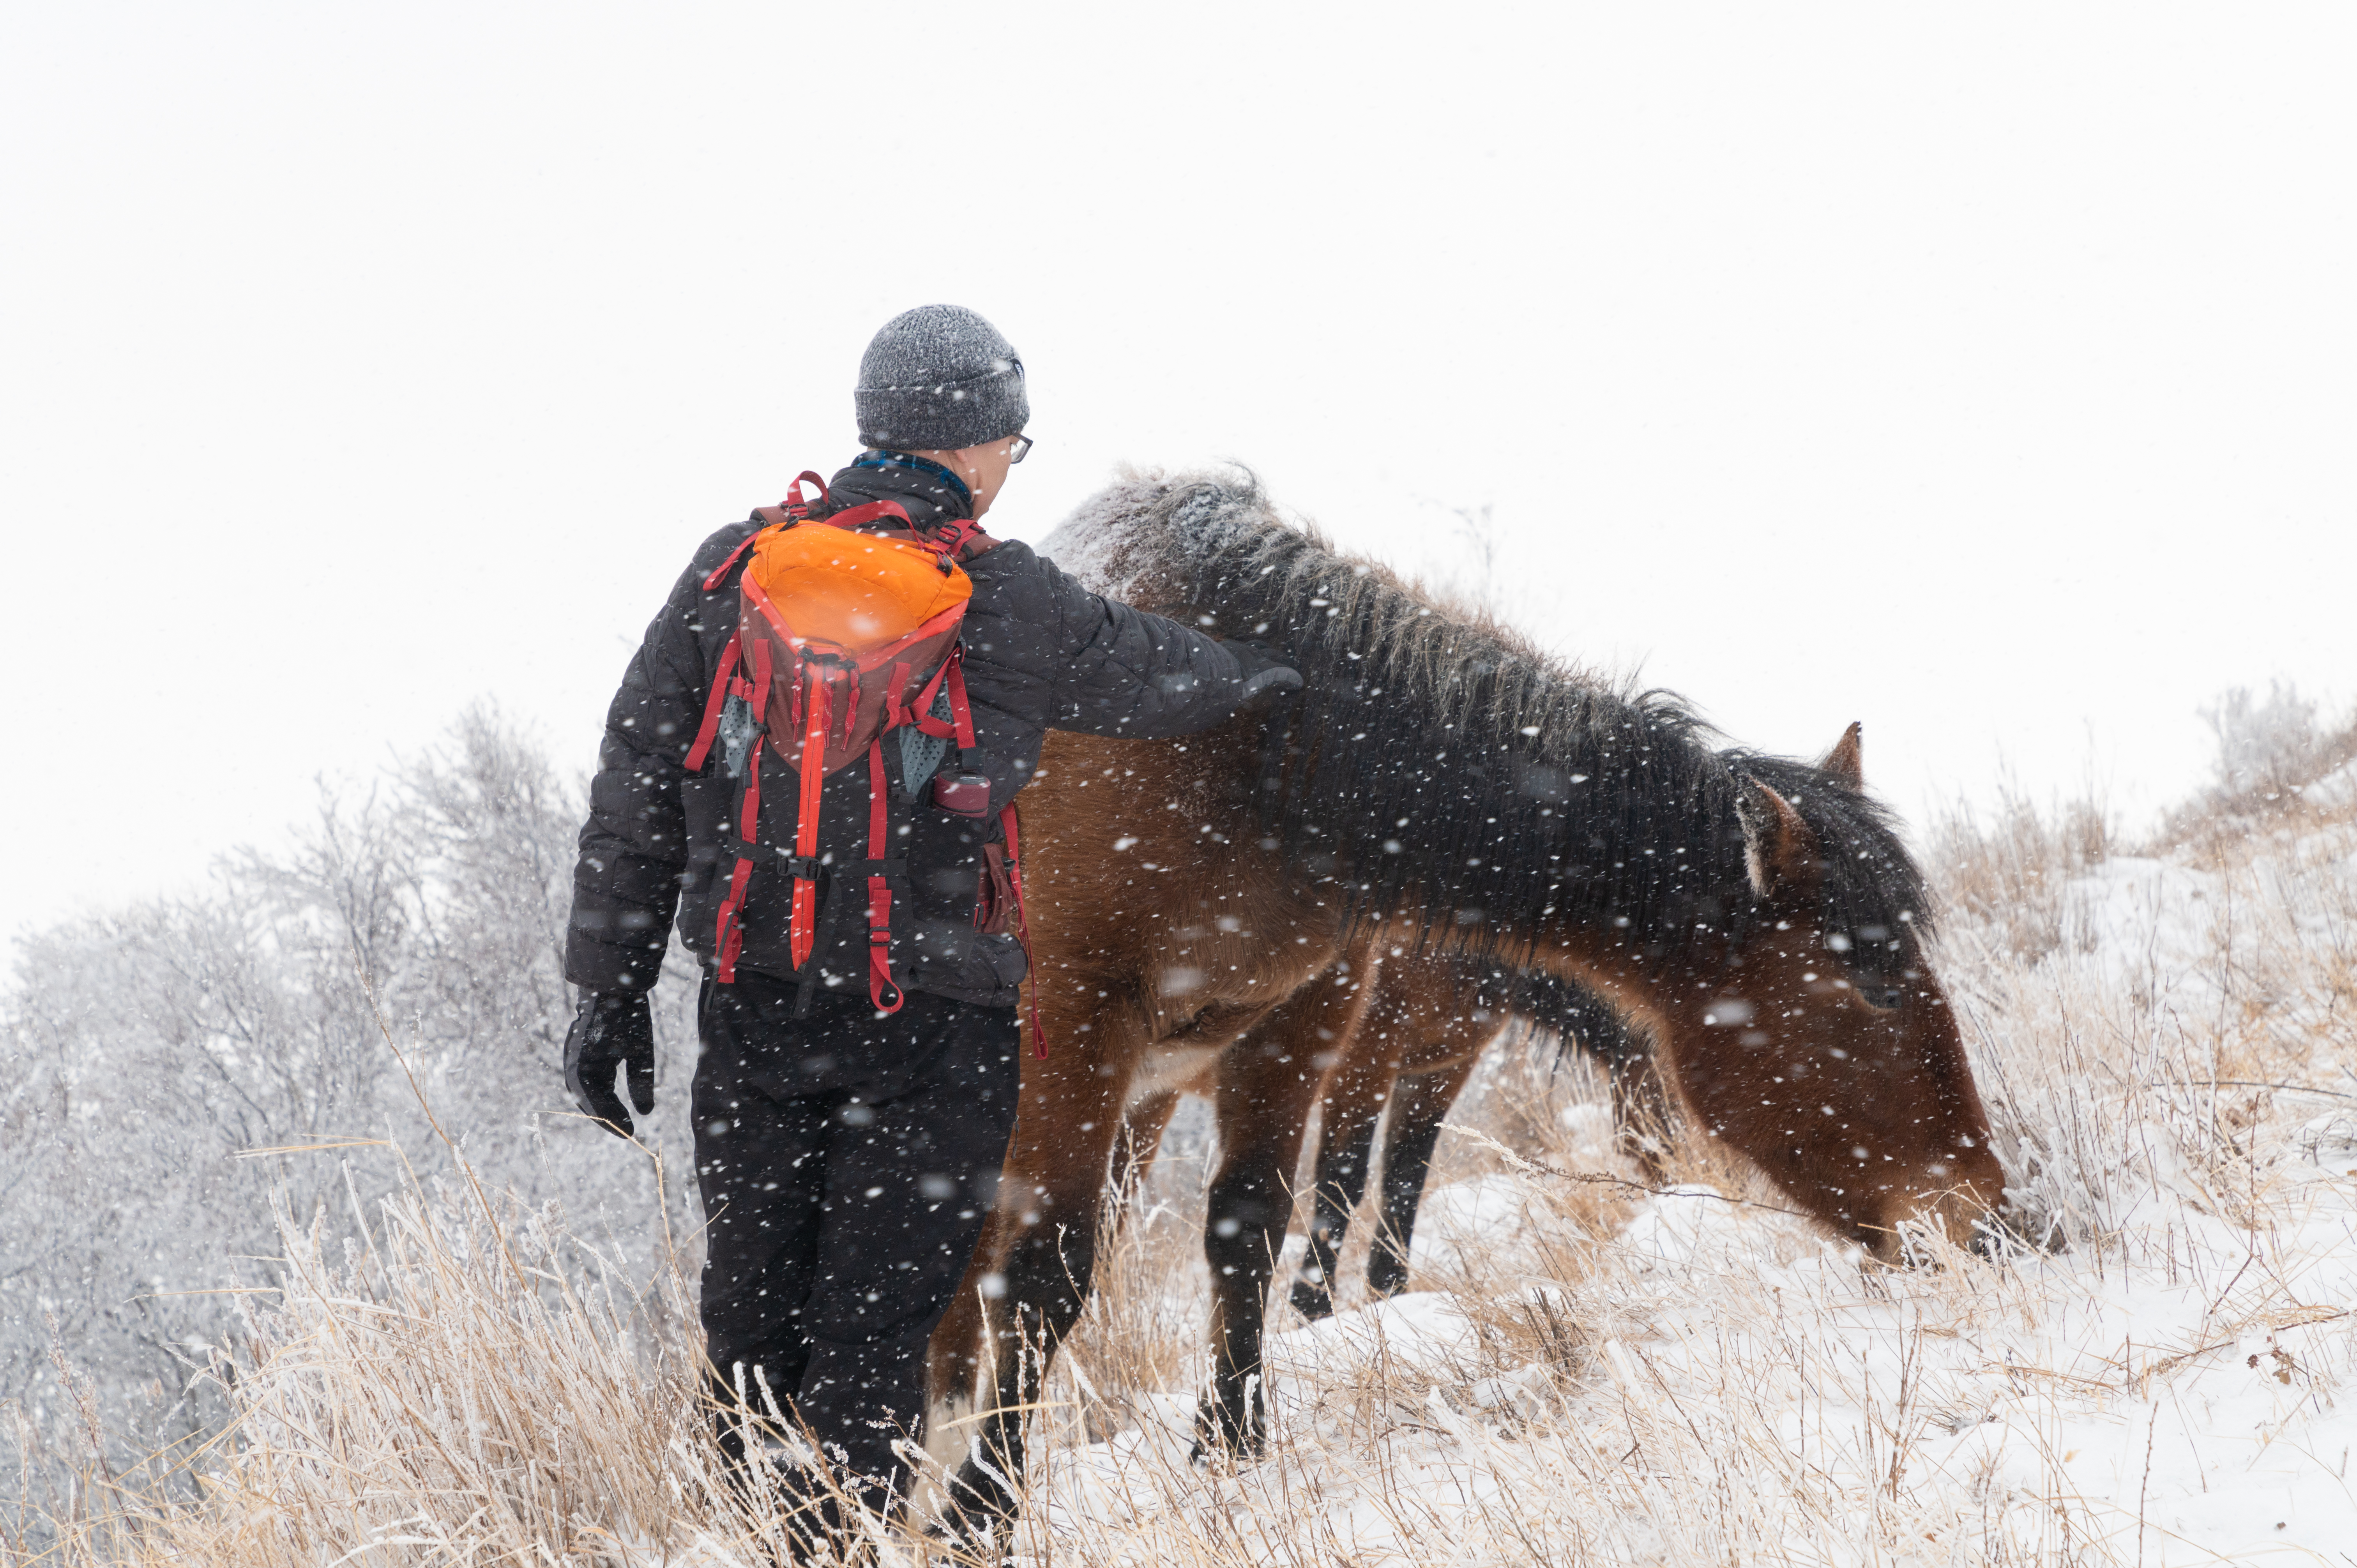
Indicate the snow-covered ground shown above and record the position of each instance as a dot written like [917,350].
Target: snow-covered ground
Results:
[1743,1388]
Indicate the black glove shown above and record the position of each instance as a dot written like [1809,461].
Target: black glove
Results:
[606,1031]
[1263,670]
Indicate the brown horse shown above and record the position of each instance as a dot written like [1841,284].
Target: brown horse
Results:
[1423,1032]
[1441,783]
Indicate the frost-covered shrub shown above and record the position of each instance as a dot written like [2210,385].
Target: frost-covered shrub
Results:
[2280,762]
[166,1066]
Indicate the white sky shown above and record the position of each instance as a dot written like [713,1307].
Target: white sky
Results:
[1989,376]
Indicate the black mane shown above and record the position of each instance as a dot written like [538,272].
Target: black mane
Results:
[1533,794]
[1572,1017]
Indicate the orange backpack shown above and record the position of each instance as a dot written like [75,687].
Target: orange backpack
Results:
[841,636]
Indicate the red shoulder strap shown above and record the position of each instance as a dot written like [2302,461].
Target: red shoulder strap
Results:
[961,712]
[853,516]
[957,537]
[710,727]
[729,930]
[919,712]
[951,534]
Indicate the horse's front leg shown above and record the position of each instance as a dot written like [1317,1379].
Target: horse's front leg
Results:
[1267,1084]
[1420,1104]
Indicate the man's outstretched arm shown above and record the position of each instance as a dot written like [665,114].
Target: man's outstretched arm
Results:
[1125,671]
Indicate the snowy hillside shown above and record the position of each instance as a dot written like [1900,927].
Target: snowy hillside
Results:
[1583,1371]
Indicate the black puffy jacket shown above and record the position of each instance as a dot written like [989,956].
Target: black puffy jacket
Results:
[1041,653]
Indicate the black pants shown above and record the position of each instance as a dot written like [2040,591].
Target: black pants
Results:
[846,1162]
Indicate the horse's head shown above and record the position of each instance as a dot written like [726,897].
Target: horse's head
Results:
[1822,1044]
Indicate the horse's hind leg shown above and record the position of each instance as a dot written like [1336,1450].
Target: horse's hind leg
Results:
[1035,1265]
[1345,1149]
[1419,1104]
[1266,1086]
[1353,1104]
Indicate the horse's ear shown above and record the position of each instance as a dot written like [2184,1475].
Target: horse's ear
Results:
[1846,760]
[1779,849]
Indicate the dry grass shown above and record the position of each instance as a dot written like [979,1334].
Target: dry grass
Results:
[1586,1374]
[424,1384]
[2010,877]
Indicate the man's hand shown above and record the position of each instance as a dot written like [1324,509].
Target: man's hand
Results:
[1263,670]
[609,1031]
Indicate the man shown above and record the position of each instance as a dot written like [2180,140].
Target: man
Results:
[846,1156]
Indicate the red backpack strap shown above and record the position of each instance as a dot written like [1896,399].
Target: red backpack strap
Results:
[716,701]
[719,574]
[802,933]
[871,512]
[1010,821]
[729,931]
[881,990]
[960,713]
[919,711]
[951,534]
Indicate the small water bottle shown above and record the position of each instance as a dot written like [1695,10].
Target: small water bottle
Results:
[963,794]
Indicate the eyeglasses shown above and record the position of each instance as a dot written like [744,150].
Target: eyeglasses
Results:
[1021,449]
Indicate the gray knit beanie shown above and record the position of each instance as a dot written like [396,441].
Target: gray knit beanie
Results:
[937,379]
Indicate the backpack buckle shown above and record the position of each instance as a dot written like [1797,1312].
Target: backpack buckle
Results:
[803,867]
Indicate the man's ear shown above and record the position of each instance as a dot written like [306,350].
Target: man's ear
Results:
[1846,760]
[1780,851]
